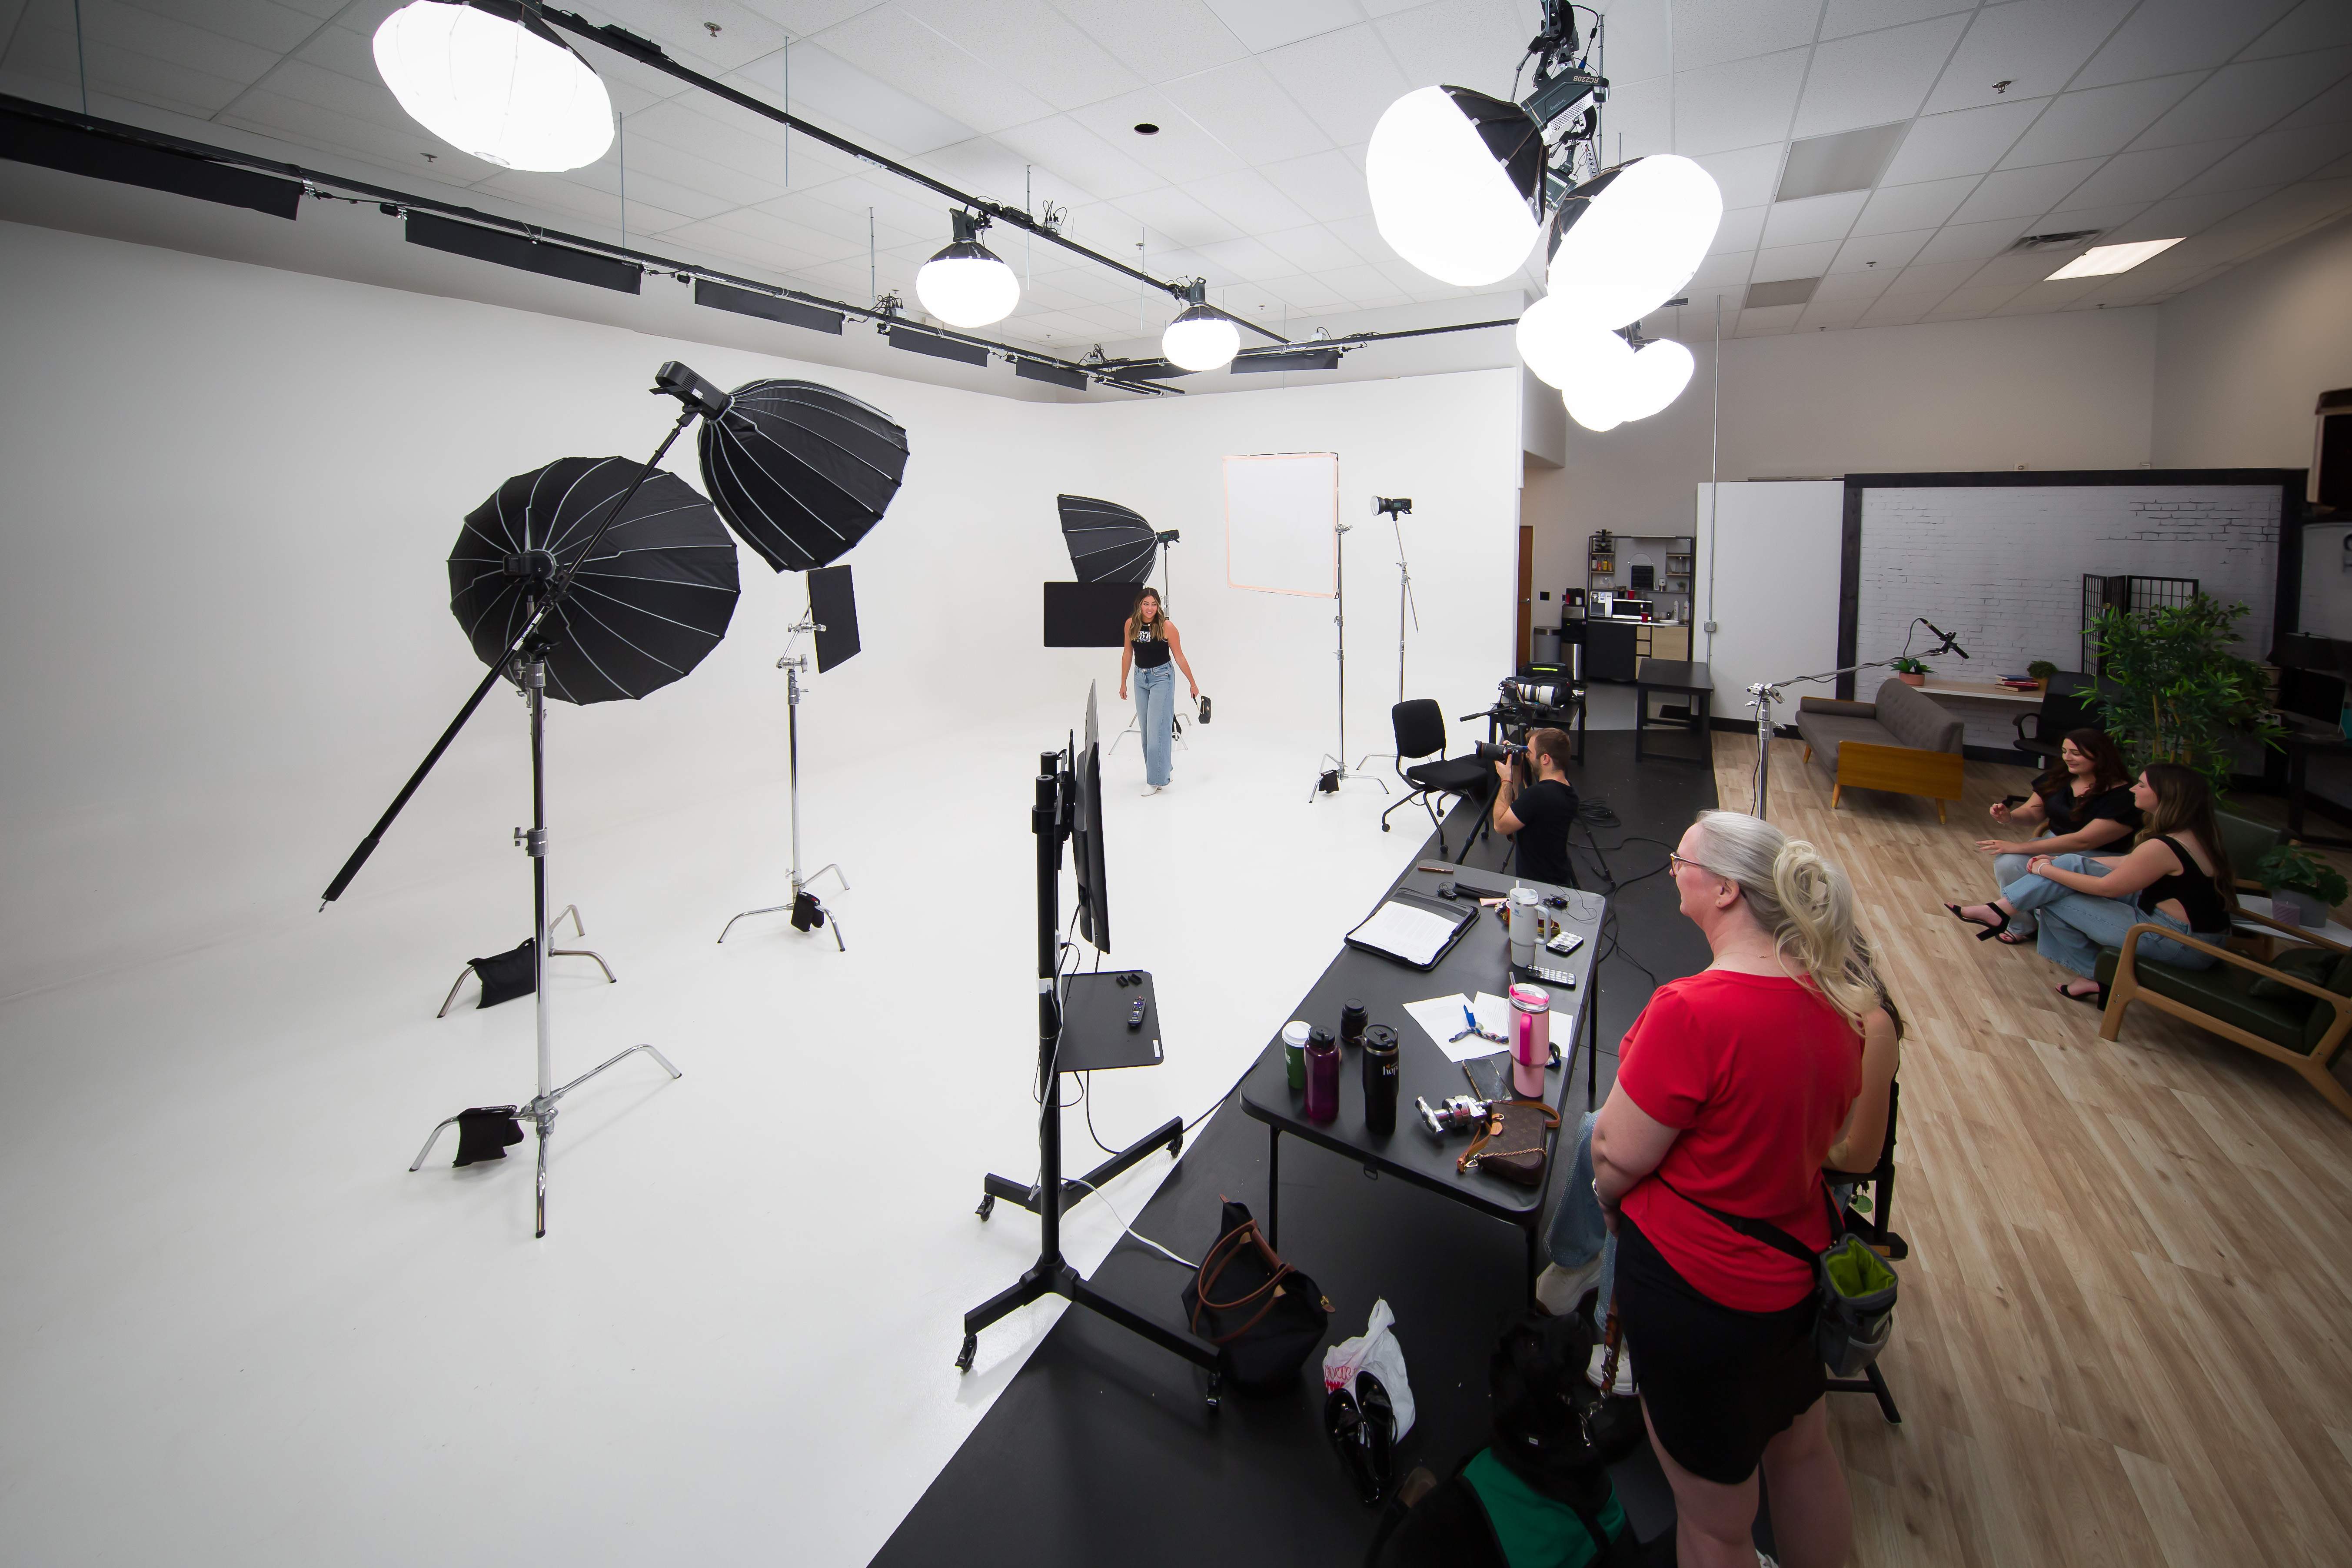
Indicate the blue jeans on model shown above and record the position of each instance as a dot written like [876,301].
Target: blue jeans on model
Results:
[2008,868]
[1155,716]
[2074,926]
[1577,1233]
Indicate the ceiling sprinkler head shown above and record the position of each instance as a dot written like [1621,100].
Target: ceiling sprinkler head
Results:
[2005,86]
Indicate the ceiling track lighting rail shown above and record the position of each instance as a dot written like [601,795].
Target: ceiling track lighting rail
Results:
[646,52]
[1305,350]
[789,306]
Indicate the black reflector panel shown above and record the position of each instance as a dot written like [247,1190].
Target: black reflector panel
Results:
[525,255]
[1030,370]
[916,340]
[77,152]
[751,302]
[1312,359]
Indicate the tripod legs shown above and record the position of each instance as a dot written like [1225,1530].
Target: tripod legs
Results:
[817,913]
[574,911]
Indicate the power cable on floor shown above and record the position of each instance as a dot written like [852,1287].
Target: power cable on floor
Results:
[1130,1230]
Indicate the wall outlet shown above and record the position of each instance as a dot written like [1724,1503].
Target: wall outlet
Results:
[1709,629]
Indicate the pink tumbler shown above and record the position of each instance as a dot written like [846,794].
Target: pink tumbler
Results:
[1322,1076]
[1530,1039]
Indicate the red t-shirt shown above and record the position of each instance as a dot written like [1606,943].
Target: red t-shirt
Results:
[1757,1073]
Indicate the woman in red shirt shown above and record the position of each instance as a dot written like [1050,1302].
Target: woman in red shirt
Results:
[1732,1086]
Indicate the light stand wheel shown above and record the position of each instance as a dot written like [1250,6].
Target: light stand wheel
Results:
[1216,1392]
[987,1206]
[971,1349]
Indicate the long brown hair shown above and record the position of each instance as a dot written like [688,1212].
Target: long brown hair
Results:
[2107,769]
[2184,804]
[1135,612]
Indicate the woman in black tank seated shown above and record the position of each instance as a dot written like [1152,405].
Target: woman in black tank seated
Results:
[2083,805]
[2177,875]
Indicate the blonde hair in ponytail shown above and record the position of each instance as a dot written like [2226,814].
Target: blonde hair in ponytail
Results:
[1805,903]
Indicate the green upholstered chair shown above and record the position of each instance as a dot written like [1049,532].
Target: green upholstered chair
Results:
[2245,842]
[2295,1009]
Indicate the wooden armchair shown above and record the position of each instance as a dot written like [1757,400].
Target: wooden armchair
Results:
[2294,1021]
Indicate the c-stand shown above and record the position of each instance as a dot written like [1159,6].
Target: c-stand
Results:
[806,911]
[1764,693]
[1328,780]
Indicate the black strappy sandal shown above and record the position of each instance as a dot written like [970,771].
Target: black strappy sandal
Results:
[1984,932]
[2094,998]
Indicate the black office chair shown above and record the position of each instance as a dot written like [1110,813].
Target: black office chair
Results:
[1420,727]
[1877,1231]
[2060,712]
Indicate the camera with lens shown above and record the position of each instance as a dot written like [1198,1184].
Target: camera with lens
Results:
[1500,751]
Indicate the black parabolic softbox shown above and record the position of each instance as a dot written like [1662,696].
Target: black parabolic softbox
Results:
[1108,542]
[800,471]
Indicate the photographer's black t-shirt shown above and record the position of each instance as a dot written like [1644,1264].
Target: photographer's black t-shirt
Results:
[1545,810]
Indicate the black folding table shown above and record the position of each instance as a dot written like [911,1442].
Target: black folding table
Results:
[1695,684]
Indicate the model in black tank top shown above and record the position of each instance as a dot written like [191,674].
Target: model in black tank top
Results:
[2200,895]
[1151,652]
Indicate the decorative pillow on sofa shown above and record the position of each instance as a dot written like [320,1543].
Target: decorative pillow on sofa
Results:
[2312,963]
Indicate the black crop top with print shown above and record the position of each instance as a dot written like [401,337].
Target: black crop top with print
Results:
[1151,650]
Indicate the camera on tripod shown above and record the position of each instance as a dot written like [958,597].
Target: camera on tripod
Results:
[1500,751]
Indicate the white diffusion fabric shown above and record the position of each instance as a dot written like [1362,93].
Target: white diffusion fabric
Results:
[1282,515]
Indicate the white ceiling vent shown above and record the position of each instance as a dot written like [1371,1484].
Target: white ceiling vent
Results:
[2063,241]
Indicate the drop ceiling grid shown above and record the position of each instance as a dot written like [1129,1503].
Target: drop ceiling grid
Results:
[2232,125]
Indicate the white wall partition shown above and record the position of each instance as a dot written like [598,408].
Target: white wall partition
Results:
[224,609]
[1774,593]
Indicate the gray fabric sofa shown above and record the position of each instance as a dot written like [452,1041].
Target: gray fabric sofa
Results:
[1903,741]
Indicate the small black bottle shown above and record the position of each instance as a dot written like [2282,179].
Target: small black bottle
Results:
[1380,1043]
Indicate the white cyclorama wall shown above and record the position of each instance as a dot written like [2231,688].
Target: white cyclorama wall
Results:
[1774,605]
[232,492]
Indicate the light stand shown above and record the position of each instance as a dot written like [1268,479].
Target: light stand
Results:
[806,911]
[1764,693]
[1052,1275]
[1328,780]
[1396,508]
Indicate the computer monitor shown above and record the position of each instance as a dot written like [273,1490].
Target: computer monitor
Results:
[1086,832]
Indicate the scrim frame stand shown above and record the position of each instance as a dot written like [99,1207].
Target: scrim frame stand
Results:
[806,911]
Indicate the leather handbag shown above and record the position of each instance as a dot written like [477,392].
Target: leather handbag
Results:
[1511,1144]
[1264,1316]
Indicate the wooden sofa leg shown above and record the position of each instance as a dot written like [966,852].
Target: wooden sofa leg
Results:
[1834,790]
[1939,813]
[2111,1022]
[1809,753]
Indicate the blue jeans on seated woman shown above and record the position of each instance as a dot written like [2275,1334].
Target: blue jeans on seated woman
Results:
[2074,926]
[1579,1234]
[2008,868]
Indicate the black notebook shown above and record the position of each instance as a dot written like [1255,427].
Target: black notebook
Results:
[1414,931]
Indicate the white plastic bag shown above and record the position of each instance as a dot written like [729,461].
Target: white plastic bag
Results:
[1375,1350]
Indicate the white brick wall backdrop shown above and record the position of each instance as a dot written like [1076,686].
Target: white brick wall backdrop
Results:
[2002,567]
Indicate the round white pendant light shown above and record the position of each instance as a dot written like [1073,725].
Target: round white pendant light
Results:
[1656,377]
[1452,175]
[1200,337]
[497,84]
[967,284]
[1626,241]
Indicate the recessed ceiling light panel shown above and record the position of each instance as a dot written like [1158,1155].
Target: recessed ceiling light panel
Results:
[1849,160]
[2102,260]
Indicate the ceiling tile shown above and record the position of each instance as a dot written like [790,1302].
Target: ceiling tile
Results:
[1244,260]
[2274,158]
[1740,229]
[2240,100]
[1927,281]
[2166,35]
[829,88]
[720,185]
[1162,40]
[1815,218]
[1822,317]
[2070,218]
[1306,292]
[1852,288]
[1344,81]
[1748,177]
[1638,40]
[1028,43]
[2022,267]
[1893,312]
[1176,214]
[1262,24]
[1880,254]
[2094,123]
[1638,120]
[1776,262]
[1362,236]
[1101,168]
[1716,32]
[988,167]
[2145,177]
[2330,107]
[744,35]
[1736,105]
[1844,17]
[2185,214]
[1243,107]
[1965,142]
[1179,150]
[1326,185]
[2034,45]
[310,125]
[2038,297]
[1311,247]
[1972,241]
[1893,209]
[1874,78]
[1247,200]
[894,48]
[2023,193]
[2314,25]
[1474,44]
[1974,302]
[1360,282]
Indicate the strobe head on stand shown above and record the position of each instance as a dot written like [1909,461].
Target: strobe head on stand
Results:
[1392,506]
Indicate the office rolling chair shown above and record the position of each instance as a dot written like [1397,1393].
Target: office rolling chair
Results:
[1420,727]
[2060,712]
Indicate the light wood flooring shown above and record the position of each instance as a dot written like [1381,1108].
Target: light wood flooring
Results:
[2123,1337]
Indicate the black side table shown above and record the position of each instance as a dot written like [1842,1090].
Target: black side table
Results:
[1692,681]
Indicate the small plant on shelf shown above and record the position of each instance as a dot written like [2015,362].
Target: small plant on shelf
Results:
[1908,670]
[2302,886]
[2041,670]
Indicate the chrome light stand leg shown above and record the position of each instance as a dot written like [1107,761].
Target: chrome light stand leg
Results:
[803,905]
[578,928]
[541,1109]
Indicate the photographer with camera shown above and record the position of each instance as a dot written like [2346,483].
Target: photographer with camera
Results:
[1538,814]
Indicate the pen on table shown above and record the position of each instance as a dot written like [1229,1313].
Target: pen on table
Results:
[1472,1019]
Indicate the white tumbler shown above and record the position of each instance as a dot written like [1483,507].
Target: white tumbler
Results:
[1527,926]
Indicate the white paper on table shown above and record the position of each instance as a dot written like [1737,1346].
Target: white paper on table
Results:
[1441,1019]
[1494,1017]
[1416,936]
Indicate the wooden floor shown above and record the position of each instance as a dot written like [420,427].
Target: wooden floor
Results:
[2123,1336]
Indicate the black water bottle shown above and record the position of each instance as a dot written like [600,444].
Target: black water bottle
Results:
[1380,1044]
[1352,1018]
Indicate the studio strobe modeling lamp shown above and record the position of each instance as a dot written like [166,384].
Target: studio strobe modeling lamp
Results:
[596,579]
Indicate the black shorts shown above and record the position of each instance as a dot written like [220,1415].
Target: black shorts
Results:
[1718,1384]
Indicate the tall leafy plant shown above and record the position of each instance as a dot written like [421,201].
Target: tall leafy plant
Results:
[2180,693]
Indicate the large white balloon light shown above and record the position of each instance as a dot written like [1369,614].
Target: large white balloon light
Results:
[1630,238]
[967,284]
[1440,197]
[1656,377]
[505,93]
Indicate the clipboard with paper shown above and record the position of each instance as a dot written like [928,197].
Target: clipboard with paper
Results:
[1414,931]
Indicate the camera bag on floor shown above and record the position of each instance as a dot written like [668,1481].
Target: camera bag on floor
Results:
[1539,1494]
[1852,1285]
[1265,1317]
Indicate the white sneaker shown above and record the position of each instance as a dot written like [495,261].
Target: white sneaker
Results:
[1150,790]
[1625,1383]
[1559,1289]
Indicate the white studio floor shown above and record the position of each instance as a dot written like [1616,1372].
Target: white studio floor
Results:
[240,1330]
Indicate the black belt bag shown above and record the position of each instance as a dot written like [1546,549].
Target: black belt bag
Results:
[1852,1285]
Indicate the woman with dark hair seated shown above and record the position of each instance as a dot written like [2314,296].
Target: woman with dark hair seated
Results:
[2083,807]
[2176,875]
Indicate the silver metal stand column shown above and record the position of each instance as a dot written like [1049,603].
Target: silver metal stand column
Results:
[1405,607]
[1330,780]
[1761,696]
[792,665]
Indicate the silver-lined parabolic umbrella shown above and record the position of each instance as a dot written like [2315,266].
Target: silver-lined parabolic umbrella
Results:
[800,471]
[642,611]
[1108,543]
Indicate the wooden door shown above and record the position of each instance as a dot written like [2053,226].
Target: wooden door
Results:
[1527,597]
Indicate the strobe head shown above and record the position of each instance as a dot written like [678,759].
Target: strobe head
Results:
[680,380]
[1392,506]
[1457,1113]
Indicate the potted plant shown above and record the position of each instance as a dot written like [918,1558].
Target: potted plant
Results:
[2303,886]
[2041,670]
[1908,670]
[2174,690]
